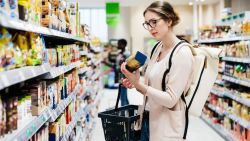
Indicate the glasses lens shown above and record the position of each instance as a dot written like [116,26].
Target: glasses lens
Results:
[145,25]
[152,23]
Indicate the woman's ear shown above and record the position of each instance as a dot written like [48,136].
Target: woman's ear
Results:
[169,23]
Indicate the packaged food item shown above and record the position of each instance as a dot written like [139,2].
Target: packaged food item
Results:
[2,117]
[51,92]
[9,56]
[13,8]
[55,21]
[4,7]
[46,21]
[38,97]
[46,7]
[68,21]
[23,9]
[245,113]
[52,55]
[135,62]
[72,16]
[54,130]
[7,60]
[35,56]
[59,56]
[55,3]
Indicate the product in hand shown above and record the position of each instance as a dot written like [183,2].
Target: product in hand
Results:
[135,62]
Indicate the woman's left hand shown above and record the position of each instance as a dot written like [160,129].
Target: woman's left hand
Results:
[134,78]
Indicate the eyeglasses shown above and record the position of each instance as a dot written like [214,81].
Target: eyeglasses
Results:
[150,24]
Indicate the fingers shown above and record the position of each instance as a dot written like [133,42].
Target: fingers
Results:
[127,83]
[123,69]
[130,86]
[137,72]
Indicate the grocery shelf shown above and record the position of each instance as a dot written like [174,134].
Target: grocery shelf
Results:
[219,129]
[62,106]
[70,127]
[242,122]
[236,80]
[72,124]
[237,98]
[221,40]
[95,76]
[219,82]
[27,132]
[96,49]
[81,97]
[25,26]
[98,62]
[217,92]
[57,71]
[79,134]
[15,76]
[20,127]
[83,70]
[97,98]
[216,109]
[235,59]
[83,52]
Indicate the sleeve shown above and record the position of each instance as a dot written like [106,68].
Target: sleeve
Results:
[179,75]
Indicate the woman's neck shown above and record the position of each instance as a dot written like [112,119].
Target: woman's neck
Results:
[170,40]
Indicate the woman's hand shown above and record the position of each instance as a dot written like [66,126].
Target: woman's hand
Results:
[132,78]
[126,83]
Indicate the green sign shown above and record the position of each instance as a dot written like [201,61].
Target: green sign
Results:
[112,13]
[112,20]
[112,8]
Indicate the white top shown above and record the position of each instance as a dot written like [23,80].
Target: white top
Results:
[167,110]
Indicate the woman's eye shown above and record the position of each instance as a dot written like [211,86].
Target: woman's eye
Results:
[153,21]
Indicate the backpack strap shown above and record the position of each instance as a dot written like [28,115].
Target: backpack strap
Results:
[186,116]
[153,50]
[192,98]
[163,86]
[151,54]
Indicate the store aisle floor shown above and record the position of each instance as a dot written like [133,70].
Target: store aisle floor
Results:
[198,130]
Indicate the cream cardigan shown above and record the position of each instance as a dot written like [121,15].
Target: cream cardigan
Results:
[167,110]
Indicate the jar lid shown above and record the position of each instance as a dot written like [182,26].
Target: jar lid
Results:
[140,57]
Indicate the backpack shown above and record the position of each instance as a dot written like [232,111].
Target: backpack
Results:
[206,61]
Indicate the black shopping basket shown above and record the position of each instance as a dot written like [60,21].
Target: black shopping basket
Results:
[118,124]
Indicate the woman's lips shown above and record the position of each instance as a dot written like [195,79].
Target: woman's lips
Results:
[154,33]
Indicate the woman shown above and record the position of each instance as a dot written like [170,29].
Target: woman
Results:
[166,109]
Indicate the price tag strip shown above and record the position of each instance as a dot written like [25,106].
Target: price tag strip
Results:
[27,132]
[15,76]
[237,80]
[63,104]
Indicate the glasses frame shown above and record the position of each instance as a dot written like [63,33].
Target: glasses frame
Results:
[150,23]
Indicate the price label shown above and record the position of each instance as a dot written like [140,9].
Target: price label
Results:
[28,133]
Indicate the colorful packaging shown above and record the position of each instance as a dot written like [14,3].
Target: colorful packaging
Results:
[13,9]
[23,9]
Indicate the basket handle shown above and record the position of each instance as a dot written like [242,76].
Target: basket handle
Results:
[118,96]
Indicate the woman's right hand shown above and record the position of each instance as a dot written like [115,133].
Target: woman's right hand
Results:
[126,83]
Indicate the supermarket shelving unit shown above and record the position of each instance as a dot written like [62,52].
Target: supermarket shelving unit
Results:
[227,94]
[45,71]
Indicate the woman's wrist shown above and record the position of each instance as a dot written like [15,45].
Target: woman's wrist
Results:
[142,88]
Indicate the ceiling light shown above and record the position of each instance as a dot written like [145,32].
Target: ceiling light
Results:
[190,3]
[202,0]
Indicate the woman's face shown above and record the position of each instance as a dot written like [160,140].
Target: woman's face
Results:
[157,27]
